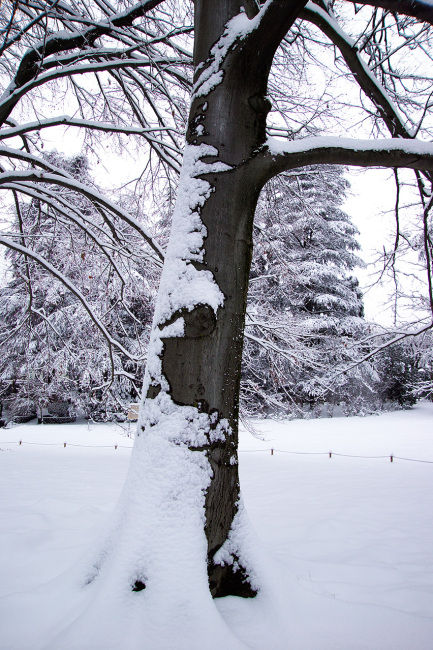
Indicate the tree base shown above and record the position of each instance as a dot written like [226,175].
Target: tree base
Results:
[224,580]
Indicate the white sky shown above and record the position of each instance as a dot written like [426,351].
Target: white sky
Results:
[372,195]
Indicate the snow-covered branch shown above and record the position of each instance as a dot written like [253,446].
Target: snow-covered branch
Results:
[73,214]
[268,26]
[92,195]
[9,243]
[393,340]
[66,120]
[18,154]
[420,9]
[64,41]
[14,93]
[278,156]
[366,79]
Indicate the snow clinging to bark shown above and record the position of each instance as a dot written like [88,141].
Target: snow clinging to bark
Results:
[162,506]
[416,147]
[236,29]
[182,285]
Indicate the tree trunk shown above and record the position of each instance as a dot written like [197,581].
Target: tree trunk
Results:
[195,355]
[202,366]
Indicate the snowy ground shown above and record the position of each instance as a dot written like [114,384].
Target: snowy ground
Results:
[347,542]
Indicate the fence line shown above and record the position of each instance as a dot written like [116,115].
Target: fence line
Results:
[64,444]
[391,457]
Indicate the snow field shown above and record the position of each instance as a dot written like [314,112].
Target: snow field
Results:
[344,544]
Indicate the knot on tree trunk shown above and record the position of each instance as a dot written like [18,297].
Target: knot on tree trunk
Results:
[199,322]
[260,105]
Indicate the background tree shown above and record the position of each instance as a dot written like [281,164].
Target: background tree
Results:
[303,314]
[422,387]
[398,367]
[52,349]
[305,311]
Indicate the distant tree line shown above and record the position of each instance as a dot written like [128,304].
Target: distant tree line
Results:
[305,330]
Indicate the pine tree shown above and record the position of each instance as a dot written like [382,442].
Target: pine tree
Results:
[305,306]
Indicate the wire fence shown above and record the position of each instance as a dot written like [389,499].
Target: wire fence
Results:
[64,444]
[330,454]
[271,450]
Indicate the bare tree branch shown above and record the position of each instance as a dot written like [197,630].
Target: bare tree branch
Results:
[42,177]
[64,280]
[87,124]
[420,9]
[363,75]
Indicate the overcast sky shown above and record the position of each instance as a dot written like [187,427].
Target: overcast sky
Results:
[372,194]
[371,205]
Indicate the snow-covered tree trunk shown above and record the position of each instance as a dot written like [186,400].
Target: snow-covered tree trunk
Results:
[185,459]
[192,394]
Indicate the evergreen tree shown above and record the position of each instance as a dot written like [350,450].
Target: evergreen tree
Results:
[305,307]
[398,367]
